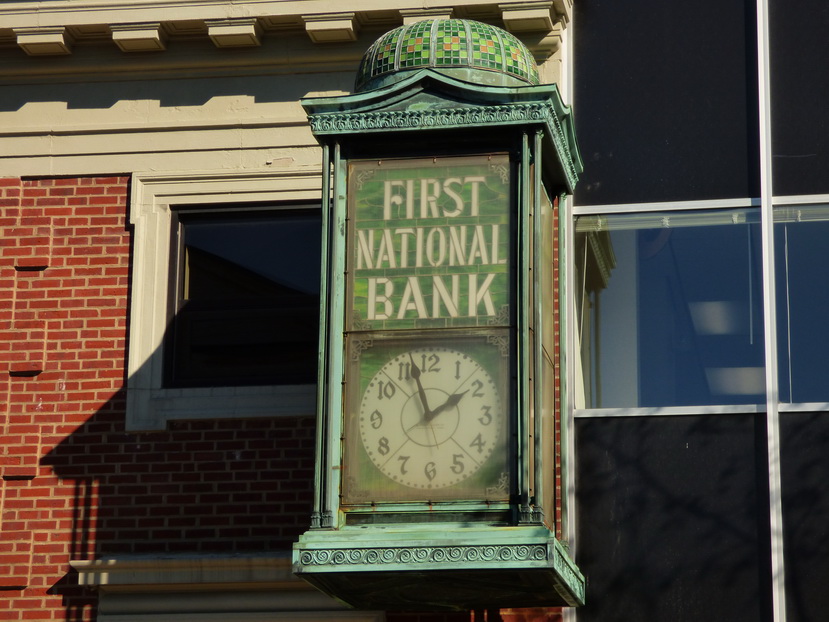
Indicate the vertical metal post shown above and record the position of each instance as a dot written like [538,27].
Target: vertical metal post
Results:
[320,467]
[523,341]
[334,357]
[778,586]
[538,327]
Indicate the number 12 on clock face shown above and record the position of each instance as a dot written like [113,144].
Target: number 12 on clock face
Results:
[428,422]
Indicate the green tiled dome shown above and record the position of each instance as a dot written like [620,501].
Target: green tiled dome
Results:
[460,48]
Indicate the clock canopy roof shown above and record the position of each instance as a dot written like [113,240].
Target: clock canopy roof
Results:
[461,48]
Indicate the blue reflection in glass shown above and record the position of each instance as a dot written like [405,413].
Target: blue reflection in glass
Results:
[678,320]
[802,279]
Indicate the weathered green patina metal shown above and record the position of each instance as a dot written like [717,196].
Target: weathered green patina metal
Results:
[427,100]
[438,103]
[449,568]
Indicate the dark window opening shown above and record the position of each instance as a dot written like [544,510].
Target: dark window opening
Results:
[246,298]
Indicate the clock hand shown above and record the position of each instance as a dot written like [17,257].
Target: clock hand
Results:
[427,414]
[449,403]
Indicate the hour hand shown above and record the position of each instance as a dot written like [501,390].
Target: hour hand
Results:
[427,414]
[449,403]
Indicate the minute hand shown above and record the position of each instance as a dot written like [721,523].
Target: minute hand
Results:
[427,414]
[451,402]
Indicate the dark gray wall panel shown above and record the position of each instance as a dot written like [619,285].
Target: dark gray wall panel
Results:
[665,101]
[672,520]
[799,83]
[805,471]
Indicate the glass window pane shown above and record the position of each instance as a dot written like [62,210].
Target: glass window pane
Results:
[669,309]
[248,299]
[670,519]
[800,123]
[802,274]
[665,108]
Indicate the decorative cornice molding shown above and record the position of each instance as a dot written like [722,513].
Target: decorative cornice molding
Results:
[568,571]
[519,113]
[322,20]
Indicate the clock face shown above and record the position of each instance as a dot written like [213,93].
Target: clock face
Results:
[431,417]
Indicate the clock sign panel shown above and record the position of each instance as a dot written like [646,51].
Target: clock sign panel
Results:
[429,421]
[429,242]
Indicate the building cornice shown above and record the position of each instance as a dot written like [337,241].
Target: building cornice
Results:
[54,27]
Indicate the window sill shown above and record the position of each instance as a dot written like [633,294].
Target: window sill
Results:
[151,409]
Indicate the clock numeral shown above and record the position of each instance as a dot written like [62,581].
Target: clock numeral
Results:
[403,461]
[376,419]
[383,446]
[478,386]
[429,363]
[486,417]
[430,471]
[457,370]
[457,464]
[385,389]
[479,443]
[404,371]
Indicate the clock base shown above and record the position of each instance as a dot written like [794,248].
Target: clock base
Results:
[456,570]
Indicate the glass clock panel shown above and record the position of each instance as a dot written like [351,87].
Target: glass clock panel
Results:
[430,242]
[429,419]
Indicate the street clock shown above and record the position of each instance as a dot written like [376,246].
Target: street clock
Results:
[437,413]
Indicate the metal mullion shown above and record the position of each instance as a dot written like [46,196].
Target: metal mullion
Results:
[320,469]
[778,584]
[523,351]
[334,406]
[538,332]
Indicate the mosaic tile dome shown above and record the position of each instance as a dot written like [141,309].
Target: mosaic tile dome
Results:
[460,48]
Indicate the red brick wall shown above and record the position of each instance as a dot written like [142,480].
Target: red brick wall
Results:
[559,491]
[75,485]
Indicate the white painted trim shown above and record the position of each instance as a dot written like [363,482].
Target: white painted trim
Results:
[666,206]
[803,199]
[668,411]
[803,407]
[149,404]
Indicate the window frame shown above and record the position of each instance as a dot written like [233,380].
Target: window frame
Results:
[151,405]
[783,202]
[573,375]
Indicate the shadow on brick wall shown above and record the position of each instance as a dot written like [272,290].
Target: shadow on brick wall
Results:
[200,487]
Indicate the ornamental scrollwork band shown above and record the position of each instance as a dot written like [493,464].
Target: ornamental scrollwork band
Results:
[496,554]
